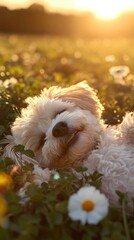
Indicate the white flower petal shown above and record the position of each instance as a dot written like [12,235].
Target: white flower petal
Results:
[94,217]
[78,215]
[85,194]
[100,199]
[74,203]
[102,210]
[85,190]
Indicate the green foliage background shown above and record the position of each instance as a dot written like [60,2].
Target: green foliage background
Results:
[38,62]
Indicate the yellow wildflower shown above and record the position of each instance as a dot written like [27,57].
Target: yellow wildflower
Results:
[5,182]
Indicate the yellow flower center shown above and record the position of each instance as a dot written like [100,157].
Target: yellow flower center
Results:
[5,180]
[2,180]
[88,205]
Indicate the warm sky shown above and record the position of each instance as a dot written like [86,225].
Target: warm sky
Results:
[101,8]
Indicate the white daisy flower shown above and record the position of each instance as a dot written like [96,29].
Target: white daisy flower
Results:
[88,205]
[119,71]
[10,82]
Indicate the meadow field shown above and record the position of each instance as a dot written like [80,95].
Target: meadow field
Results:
[27,65]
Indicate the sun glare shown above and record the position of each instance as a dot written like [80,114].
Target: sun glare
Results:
[105,9]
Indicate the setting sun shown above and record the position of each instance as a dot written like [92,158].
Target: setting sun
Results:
[105,9]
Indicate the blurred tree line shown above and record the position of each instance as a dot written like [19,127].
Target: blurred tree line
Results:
[36,20]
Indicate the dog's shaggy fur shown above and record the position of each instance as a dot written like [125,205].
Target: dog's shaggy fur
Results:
[63,128]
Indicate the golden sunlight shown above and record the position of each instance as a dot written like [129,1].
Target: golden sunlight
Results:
[105,9]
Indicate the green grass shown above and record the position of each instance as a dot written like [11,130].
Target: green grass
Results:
[37,62]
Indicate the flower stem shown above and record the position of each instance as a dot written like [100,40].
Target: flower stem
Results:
[125,219]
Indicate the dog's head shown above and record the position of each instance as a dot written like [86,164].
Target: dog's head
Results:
[61,126]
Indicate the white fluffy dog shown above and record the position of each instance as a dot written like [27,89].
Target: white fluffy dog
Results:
[64,130]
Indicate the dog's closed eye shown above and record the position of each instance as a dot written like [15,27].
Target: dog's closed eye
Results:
[59,112]
[41,141]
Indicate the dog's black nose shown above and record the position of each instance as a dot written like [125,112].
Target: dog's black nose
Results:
[60,129]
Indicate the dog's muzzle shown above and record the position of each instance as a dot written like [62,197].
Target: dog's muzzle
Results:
[61,129]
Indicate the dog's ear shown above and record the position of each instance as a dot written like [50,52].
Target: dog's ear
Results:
[80,94]
[84,97]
